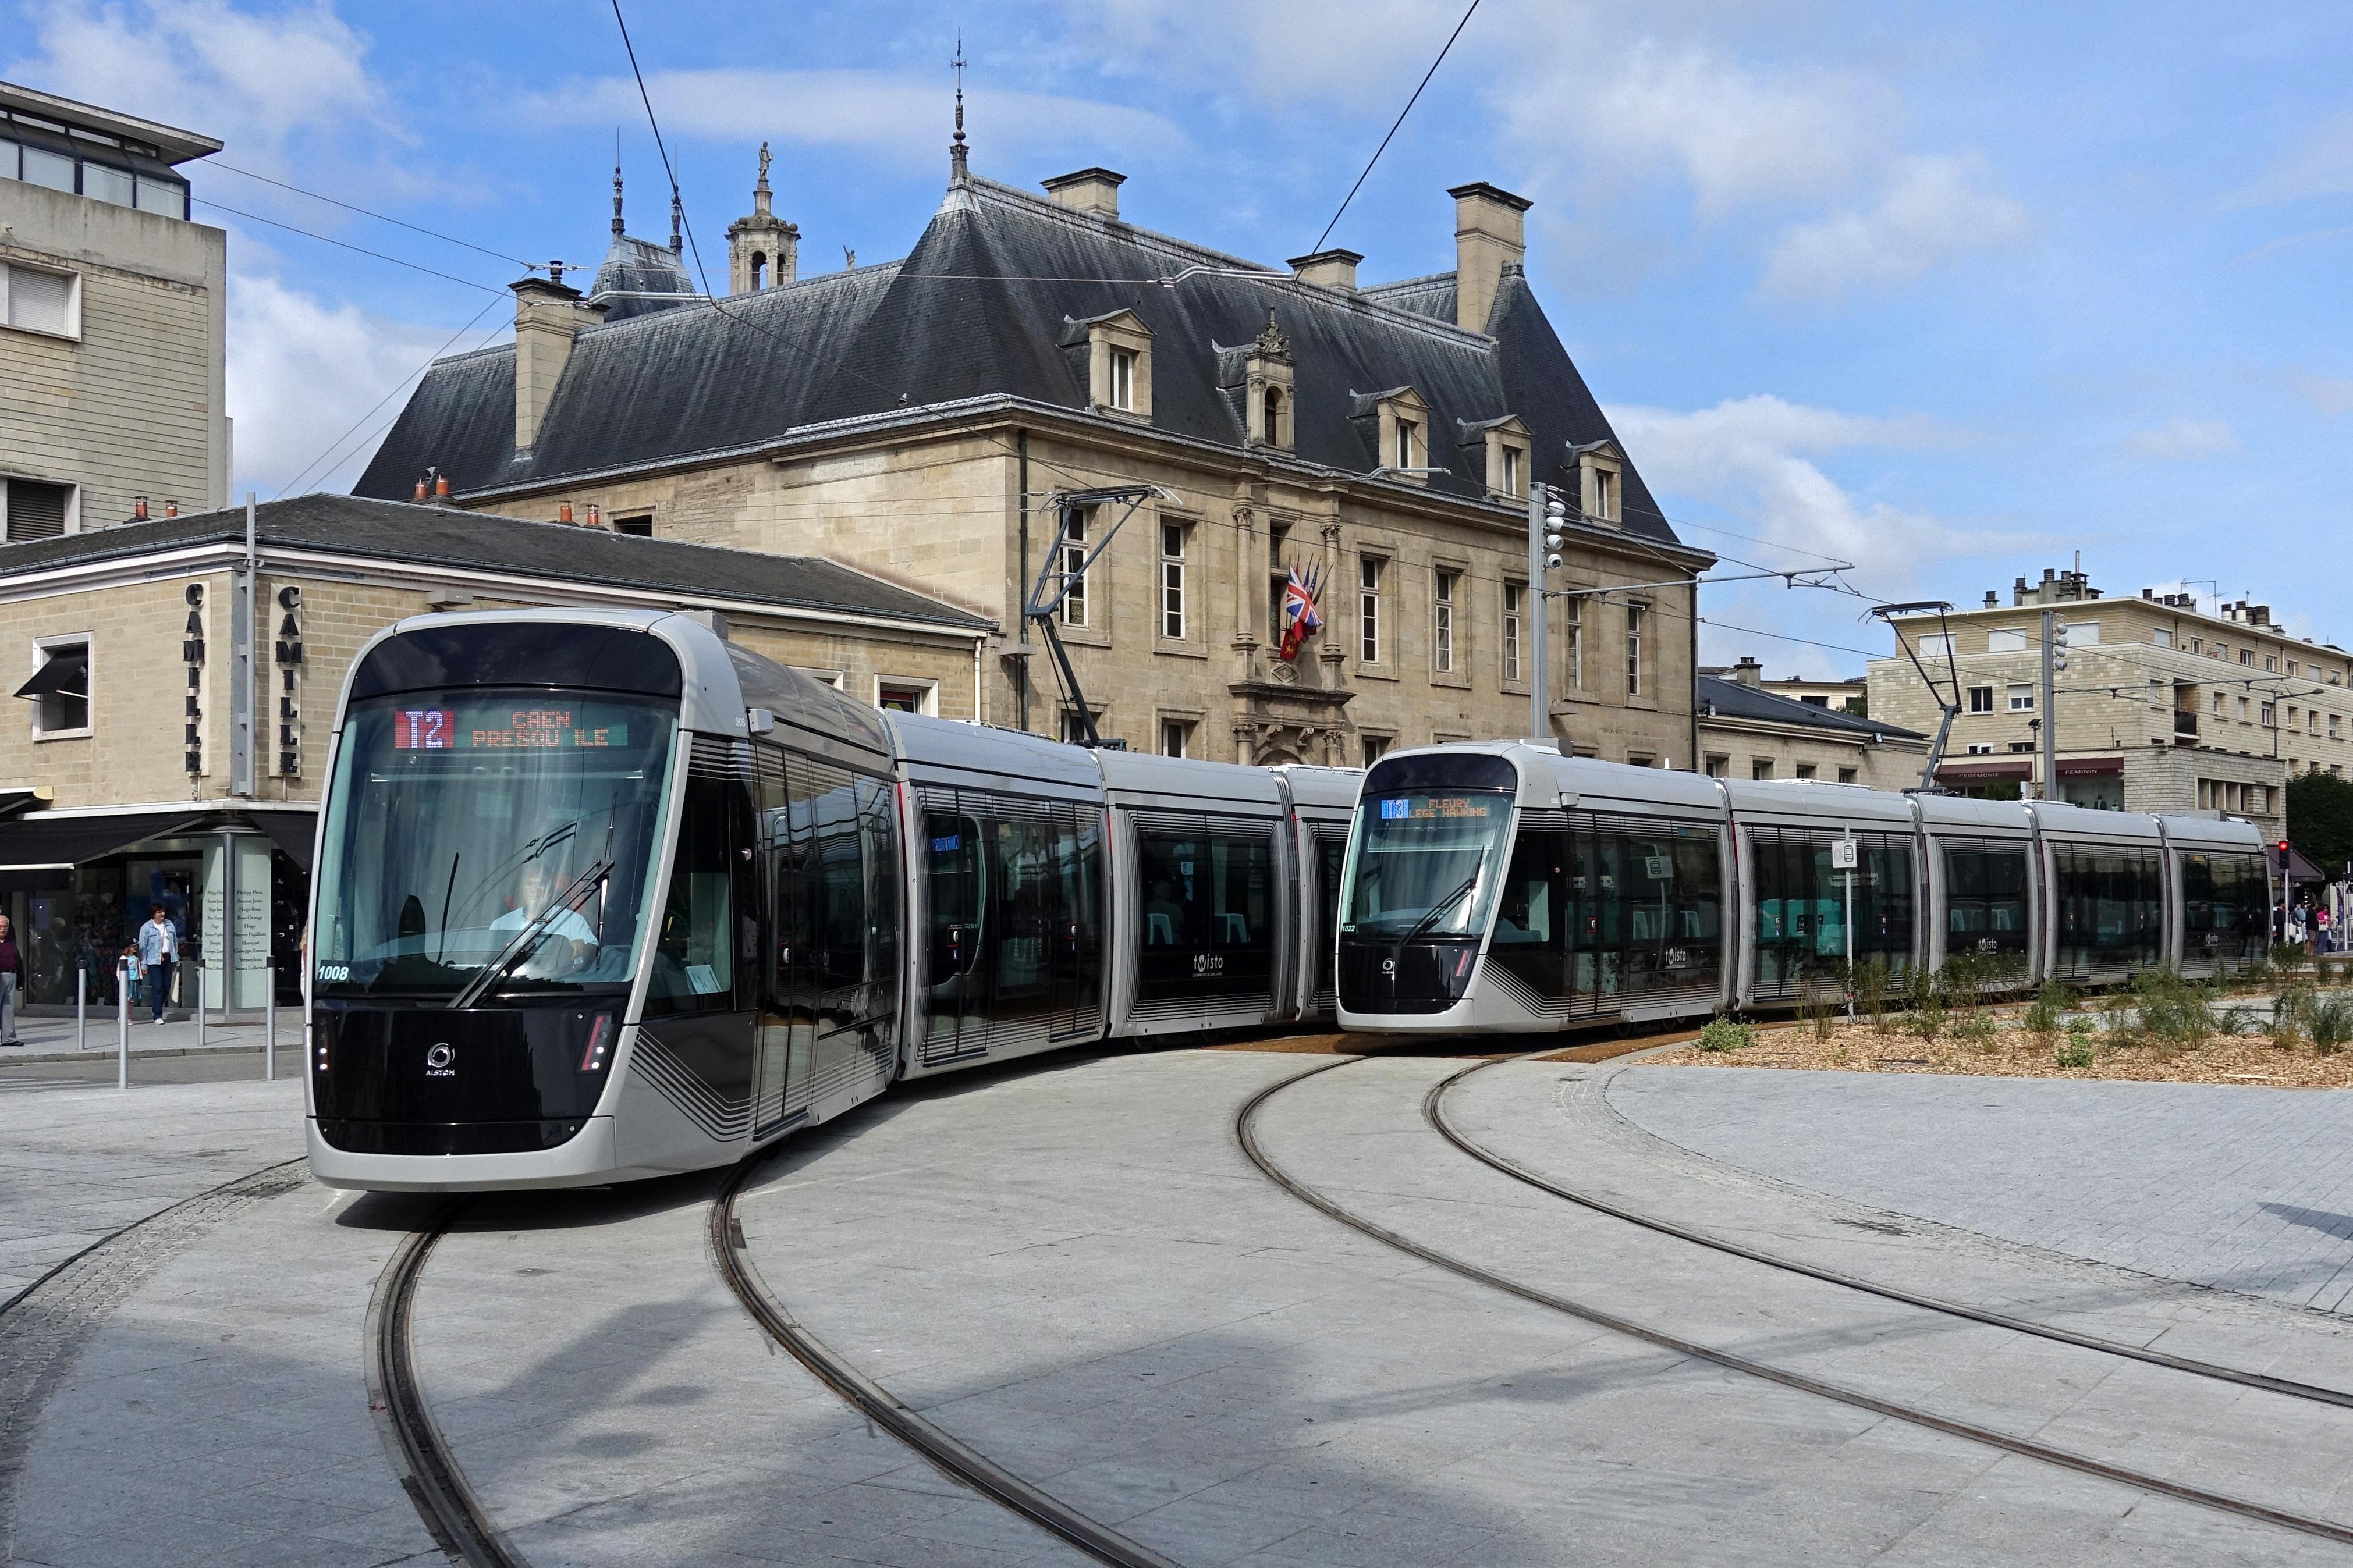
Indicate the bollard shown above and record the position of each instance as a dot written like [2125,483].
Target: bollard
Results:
[269,1022]
[200,1006]
[82,1006]
[122,1026]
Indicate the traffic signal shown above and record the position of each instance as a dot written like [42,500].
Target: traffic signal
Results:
[2282,857]
[1556,519]
[2058,645]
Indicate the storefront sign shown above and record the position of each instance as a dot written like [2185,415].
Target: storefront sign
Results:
[192,653]
[289,651]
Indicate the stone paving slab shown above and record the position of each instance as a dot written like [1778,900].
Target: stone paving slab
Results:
[1078,1273]
[2241,1189]
[59,1040]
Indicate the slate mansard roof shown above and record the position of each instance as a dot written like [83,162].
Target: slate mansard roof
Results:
[979,310]
[463,542]
[1722,697]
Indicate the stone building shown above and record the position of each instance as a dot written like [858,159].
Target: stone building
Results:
[934,420]
[136,773]
[113,310]
[1749,731]
[2161,708]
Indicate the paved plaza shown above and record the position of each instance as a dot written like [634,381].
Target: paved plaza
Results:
[1073,1268]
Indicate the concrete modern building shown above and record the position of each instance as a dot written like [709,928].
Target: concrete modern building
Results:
[1749,731]
[113,310]
[2162,707]
[930,419]
[140,771]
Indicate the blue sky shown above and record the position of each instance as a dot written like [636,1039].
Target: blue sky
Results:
[1948,292]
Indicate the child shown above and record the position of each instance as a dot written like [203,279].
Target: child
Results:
[133,972]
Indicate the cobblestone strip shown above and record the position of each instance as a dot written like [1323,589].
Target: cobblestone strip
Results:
[44,1326]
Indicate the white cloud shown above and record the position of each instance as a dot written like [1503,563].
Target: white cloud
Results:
[303,371]
[265,85]
[2184,438]
[902,117]
[1935,208]
[2332,394]
[2321,166]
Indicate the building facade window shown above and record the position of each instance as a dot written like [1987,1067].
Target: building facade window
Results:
[1508,460]
[641,525]
[1980,698]
[1605,496]
[1981,748]
[2247,657]
[1760,767]
[2005,639]
[1123,379]
[37,511]
[1572,643]
[2021,699]
[2021,747]
[1805,771]
[1408,433]
[901,696]
[60,688]
[1375,747]
[1634,650]
[1173,538]
[2269,715]
[2161,636]
[1368,609]
[1716,766]
[1936,646]
[1442,620]
[1513,596]
[1074,562]
[1847,775]
[36,299]
[1176,737]
[1274,415]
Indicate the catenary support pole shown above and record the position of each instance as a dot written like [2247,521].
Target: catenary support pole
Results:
[1539,613]
[2049,708]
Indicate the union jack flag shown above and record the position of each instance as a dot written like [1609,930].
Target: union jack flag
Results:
[1300,620]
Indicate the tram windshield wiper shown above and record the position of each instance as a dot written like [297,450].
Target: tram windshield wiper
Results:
[1431,917]
[574,894]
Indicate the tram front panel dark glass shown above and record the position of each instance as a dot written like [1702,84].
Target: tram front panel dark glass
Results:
[1428,861]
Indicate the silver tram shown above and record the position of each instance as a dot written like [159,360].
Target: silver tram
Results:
[1507,887]
[601,896]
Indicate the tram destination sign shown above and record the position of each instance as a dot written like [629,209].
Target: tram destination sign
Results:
[500,726]
[1424,808]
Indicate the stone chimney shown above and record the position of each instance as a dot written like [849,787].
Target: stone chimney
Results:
[1748,671]
[1489,231]
[1093,191]
[763,250]
[1328,270]
[548,316]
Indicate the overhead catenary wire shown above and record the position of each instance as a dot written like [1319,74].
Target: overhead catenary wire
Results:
[345,245]
[380,218]
[1393,128]
[337,443]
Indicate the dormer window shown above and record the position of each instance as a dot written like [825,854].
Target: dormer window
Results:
[1266,376]
[1407,432]
[1395,432]
[1508,466]
[1600,472]
[1271,416]
[1114,355]
[1503,454]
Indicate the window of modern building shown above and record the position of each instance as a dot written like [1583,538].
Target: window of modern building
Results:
[1122,378]
[164,194]
[105,183]
[1936,646]
[36,299]
[1981,748]
[641,525]
[1176,737]
[52,171]
[1634,650]
[36,510]
[2022,697]
[1512,594]
[1074,573]
[60,688]
[1368,609]
[1172,582]
[2268,717]
[2021,745]
[2161,636]
[1760,767]
[1980,698]
[2082,634]
[2005,639]
[1442,620]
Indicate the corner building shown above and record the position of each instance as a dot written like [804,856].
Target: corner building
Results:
[925,420]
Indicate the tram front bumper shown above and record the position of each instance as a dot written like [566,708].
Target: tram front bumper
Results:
[585,1159]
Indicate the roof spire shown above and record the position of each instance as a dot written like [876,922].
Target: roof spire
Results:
[956,171]
[677,213]
[616,181]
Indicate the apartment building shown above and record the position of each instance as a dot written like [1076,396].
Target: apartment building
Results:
[2162,707]
[113,313]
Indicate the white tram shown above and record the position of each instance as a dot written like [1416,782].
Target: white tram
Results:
[1509,887]
[601,896]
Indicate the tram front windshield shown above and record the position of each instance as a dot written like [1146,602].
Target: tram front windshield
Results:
[1428,863]
[474,829]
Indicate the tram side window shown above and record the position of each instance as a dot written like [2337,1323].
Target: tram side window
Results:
[2108,905]
[1604,914]
[1801,902]
[954,882]
[1208,911]
[2224,905]
[1985,888]
[694,955]
[826,808]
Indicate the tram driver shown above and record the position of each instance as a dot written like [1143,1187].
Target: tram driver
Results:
[568,944]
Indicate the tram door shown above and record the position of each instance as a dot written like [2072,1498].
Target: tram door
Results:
[780,1049]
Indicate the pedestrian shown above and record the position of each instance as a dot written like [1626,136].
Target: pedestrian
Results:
[159,949]
[128,967]
[12,975]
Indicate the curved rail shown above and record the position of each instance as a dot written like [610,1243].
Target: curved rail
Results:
[1433,1110]
[1245,1132]
[428,1472]
[878,1405]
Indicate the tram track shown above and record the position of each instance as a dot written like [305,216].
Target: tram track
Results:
[1433,1110]
[420,1456]
[1246,1134]
[947,1453]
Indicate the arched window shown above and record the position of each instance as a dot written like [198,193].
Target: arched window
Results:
[759,269]
[1274,416]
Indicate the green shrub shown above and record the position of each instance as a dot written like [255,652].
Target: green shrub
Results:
[1724,1035]
[2174,1013]
[2331,1023]
[2076,1050]
[1977,1031]
[2049,1007]
[2235,1020]
[2292,1014]
[1870,995]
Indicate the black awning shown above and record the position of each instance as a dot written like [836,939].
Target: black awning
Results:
[41,841]
[67,673]
[295,832]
